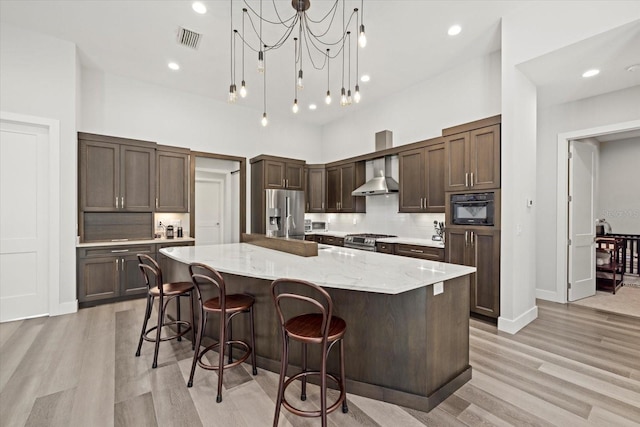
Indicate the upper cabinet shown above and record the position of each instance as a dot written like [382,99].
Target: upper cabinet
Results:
[116,174]
[422,179]
[341,181]
[172,179]
[283,174]
[316,190]
[472,159]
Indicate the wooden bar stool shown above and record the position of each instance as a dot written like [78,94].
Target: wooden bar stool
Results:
[319,327]
[227,306]
[165,292]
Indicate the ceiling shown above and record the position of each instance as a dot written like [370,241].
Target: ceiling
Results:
[407,44]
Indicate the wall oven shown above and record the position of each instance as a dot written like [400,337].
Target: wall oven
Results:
[473,209]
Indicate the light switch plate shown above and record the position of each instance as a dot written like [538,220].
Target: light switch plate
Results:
[438,288]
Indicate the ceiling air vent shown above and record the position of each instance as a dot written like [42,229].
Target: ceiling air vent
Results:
[188,38]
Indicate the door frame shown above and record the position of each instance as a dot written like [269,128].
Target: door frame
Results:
[562,200]
[53,126]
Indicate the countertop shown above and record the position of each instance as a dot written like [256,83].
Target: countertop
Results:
[405,240]
[135,242]
[334,267]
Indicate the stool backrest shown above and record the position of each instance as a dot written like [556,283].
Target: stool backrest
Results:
[316,297]
[151,272]
[202,274]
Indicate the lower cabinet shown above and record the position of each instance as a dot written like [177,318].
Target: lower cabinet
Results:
[331,240]
[422,252]
[479,248]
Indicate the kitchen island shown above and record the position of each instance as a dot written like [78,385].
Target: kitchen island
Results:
[403,345]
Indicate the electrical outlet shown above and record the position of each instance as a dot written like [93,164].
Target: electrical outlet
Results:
[438,288]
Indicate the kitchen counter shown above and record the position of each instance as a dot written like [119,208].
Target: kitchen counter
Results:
[134,242]
[334,267]
[329,233]
[412,241]
[407,339]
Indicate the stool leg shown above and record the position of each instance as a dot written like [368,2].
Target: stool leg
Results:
[303,394]
[158,332]
[196,353]
[323,386]
[343,380]
[283,370]
[223,320]
[147,315]
[229,347]
[193,322]
[178,315]
[253,342]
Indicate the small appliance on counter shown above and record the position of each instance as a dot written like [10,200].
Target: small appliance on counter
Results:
[169,231]
[307,225]
[439,228]
[319,226]
[180,233]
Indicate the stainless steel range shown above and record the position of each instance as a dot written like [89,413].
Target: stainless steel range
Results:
[364,241]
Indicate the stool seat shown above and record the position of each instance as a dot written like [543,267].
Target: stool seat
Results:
[308,328]
[233,303]
[172,289]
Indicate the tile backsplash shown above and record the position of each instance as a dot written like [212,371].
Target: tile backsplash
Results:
[382,217]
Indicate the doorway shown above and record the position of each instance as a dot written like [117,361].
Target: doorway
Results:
[563,218]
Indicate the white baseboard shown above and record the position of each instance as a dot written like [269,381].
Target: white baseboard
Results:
[512,326]
[549,296]
[65,308]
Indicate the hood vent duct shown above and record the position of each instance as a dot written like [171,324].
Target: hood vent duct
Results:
[382,182]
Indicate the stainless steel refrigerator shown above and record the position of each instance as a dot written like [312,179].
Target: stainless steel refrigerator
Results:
[285,213]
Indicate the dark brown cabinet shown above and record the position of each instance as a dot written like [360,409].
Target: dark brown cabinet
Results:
[479,248]
[472,160]
[172,179]
[283,174]
[315,192]
[341,181]
[385,248]
[116,175]
[422,252]
[331,240]
[110,272]
[422,179]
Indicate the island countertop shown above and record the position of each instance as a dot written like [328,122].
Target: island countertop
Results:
[334,267]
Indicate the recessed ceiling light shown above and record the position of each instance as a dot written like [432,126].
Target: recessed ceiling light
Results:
[634,67]
[199,8]
[312,106]
[174,66]
[365,78]
[454,30]
[591,73]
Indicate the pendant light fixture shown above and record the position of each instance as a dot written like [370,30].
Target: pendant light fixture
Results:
[318,34]
[264,120]
[362,38]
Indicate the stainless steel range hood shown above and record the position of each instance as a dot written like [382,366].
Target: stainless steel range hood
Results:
[382,182]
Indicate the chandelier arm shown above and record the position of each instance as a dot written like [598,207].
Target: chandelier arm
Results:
[267,20]
[282,40]
[275,45]
[318,37]
[333,9]
[324,44]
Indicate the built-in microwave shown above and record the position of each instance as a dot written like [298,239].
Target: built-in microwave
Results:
[473,209]
[319,226]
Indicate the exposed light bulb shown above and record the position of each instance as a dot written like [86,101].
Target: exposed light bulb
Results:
[260,62]
[362,38]
[300,85]
[233,95]
[349,99]
[327,100]
[356,95]
[343,97]
[295,106]
[264,120]
[243,90]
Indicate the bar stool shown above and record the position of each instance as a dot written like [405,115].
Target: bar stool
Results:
[165,292]
[310,328]
[227,306]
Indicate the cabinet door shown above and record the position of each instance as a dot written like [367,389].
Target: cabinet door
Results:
[98,278]
[456,162]
[131,278]
[274,174]
[172,181]
[99,176]
[456,244]
[484,158]
[347,185]
[137,178]
[316,189]
[411,180]
[485,289]
[434,178]
[295,176]
[333,189]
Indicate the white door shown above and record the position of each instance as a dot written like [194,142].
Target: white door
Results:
[582,252]
[24,205]
[209,210]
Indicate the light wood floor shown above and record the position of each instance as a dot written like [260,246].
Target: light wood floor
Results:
[573,366]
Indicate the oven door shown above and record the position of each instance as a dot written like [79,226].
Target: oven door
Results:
[478,212]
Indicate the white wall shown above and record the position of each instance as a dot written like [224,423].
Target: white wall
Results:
[466,93]
[615,107]
[619,196]
[38,78]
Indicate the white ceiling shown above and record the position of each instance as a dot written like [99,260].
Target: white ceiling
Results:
[407,44]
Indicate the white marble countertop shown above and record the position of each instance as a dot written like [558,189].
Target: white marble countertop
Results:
[330,233]
[412,241]
[334,267]
[135,242]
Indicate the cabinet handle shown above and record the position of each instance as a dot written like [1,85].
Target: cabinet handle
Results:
[116,203]
[122,264]
[322,204]
[156,203]
[119,251]
[121,202]
[417,251]
[466,238]
[466,179]
[117,264]
[473,238]
[472,179]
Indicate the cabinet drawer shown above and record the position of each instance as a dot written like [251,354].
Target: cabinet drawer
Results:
[385,248]
[123,250]
[333,240]
[423,252]
[310,237]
